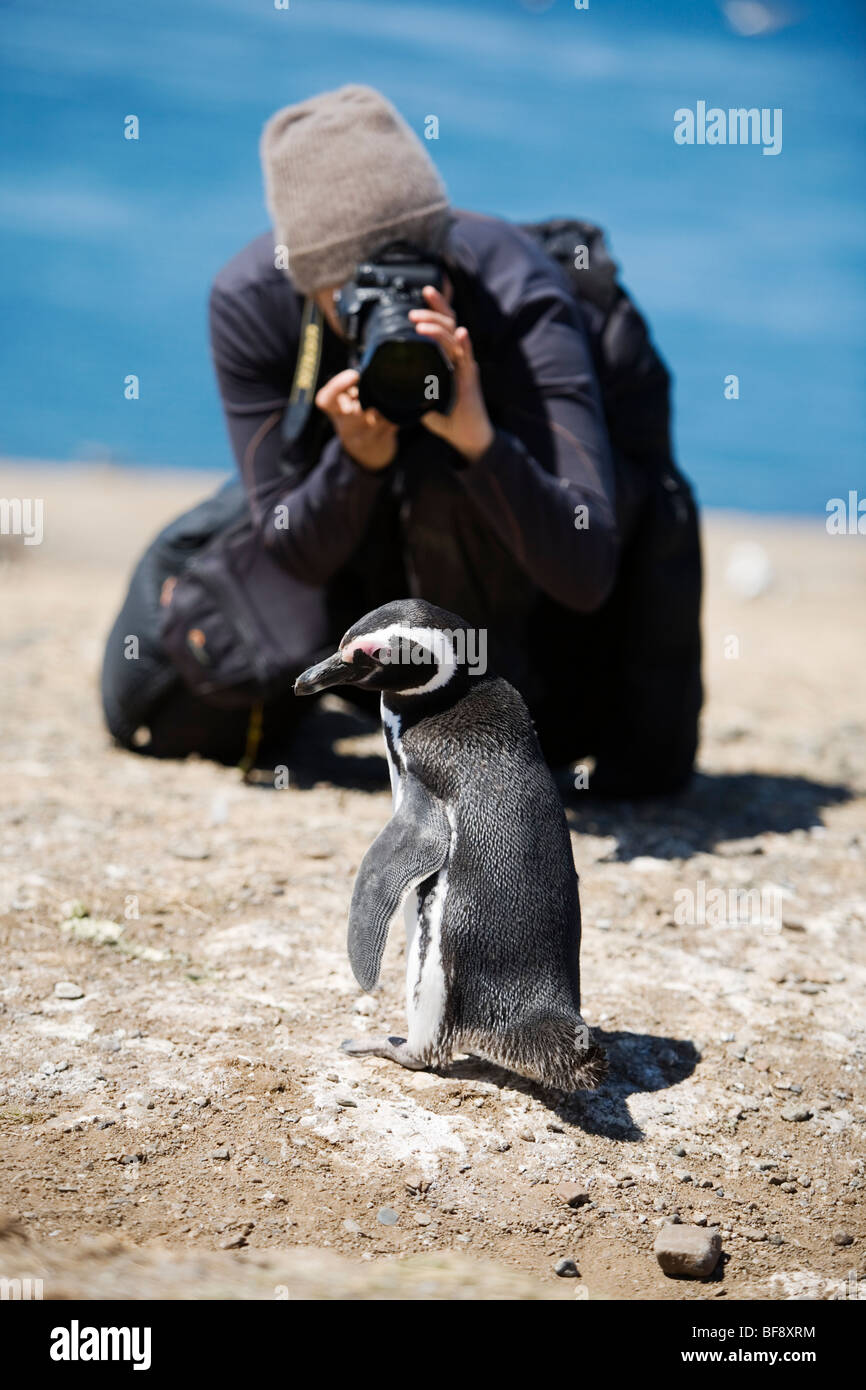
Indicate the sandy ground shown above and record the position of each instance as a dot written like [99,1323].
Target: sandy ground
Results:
[189,1123]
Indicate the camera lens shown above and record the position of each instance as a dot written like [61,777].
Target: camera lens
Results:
[404,379]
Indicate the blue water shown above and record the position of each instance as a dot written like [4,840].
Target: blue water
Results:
[744,263]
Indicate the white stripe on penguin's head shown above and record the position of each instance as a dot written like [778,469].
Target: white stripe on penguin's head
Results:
[397,640]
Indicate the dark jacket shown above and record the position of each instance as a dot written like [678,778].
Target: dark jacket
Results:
[551,452]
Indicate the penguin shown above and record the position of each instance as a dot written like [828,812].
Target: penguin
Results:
[477,852]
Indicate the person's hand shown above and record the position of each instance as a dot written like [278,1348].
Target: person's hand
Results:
[366,436]
[467,428]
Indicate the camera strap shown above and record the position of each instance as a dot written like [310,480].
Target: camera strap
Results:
[306,372]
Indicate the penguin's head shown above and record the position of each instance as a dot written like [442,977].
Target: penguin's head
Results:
[407,648]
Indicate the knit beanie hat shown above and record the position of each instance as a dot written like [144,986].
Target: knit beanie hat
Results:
[344,174]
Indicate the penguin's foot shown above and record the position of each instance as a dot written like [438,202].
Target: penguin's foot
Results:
[395,1049]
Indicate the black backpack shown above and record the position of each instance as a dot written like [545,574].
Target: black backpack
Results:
[643,645]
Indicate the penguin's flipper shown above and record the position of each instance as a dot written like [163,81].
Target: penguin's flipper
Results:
[413,845]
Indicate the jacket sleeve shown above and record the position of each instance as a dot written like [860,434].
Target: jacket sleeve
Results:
[313,526]
[546,484]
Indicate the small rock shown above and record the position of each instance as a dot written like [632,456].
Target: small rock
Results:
[416,1182]
[422,1219]
[752,1233]
[796,1112]
[347,1102]
[387,1216]
[527,1136]
[566,1269]
[679,1151]
[699,1219]
[572,1194]
[789,1186]
[365,1005]
[843,1238]
[232,1242]
[688,1250]
[682,1175]
[351,1227]
[499,1146]
[68,989]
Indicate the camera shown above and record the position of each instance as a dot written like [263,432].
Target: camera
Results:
[402,373]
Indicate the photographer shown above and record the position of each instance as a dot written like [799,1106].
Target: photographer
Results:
[510,505]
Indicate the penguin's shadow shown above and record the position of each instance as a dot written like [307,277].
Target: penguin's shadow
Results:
[309,748]
[637,1062]
[313,755]
[714,808]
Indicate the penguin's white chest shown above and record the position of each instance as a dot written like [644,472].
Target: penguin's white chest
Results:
[393,752]
[426,993]
[425,976]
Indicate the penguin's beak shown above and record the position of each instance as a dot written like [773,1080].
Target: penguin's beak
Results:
[334,671]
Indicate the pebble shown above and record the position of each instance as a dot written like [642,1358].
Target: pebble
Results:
[843,1238]
[572,1194]
[679,1151]
[387,1216]
[68,989]
[365,1005]
[422,1220]
[347,1102]
[751,1233]
[220,1153]
[233,1242]
[351,1227]
[527,1136]
[191,849]
[682,1176]
[796,1112]
[566,1269]
[688,1250]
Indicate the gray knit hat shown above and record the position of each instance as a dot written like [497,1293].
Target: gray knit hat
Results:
[343,175]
